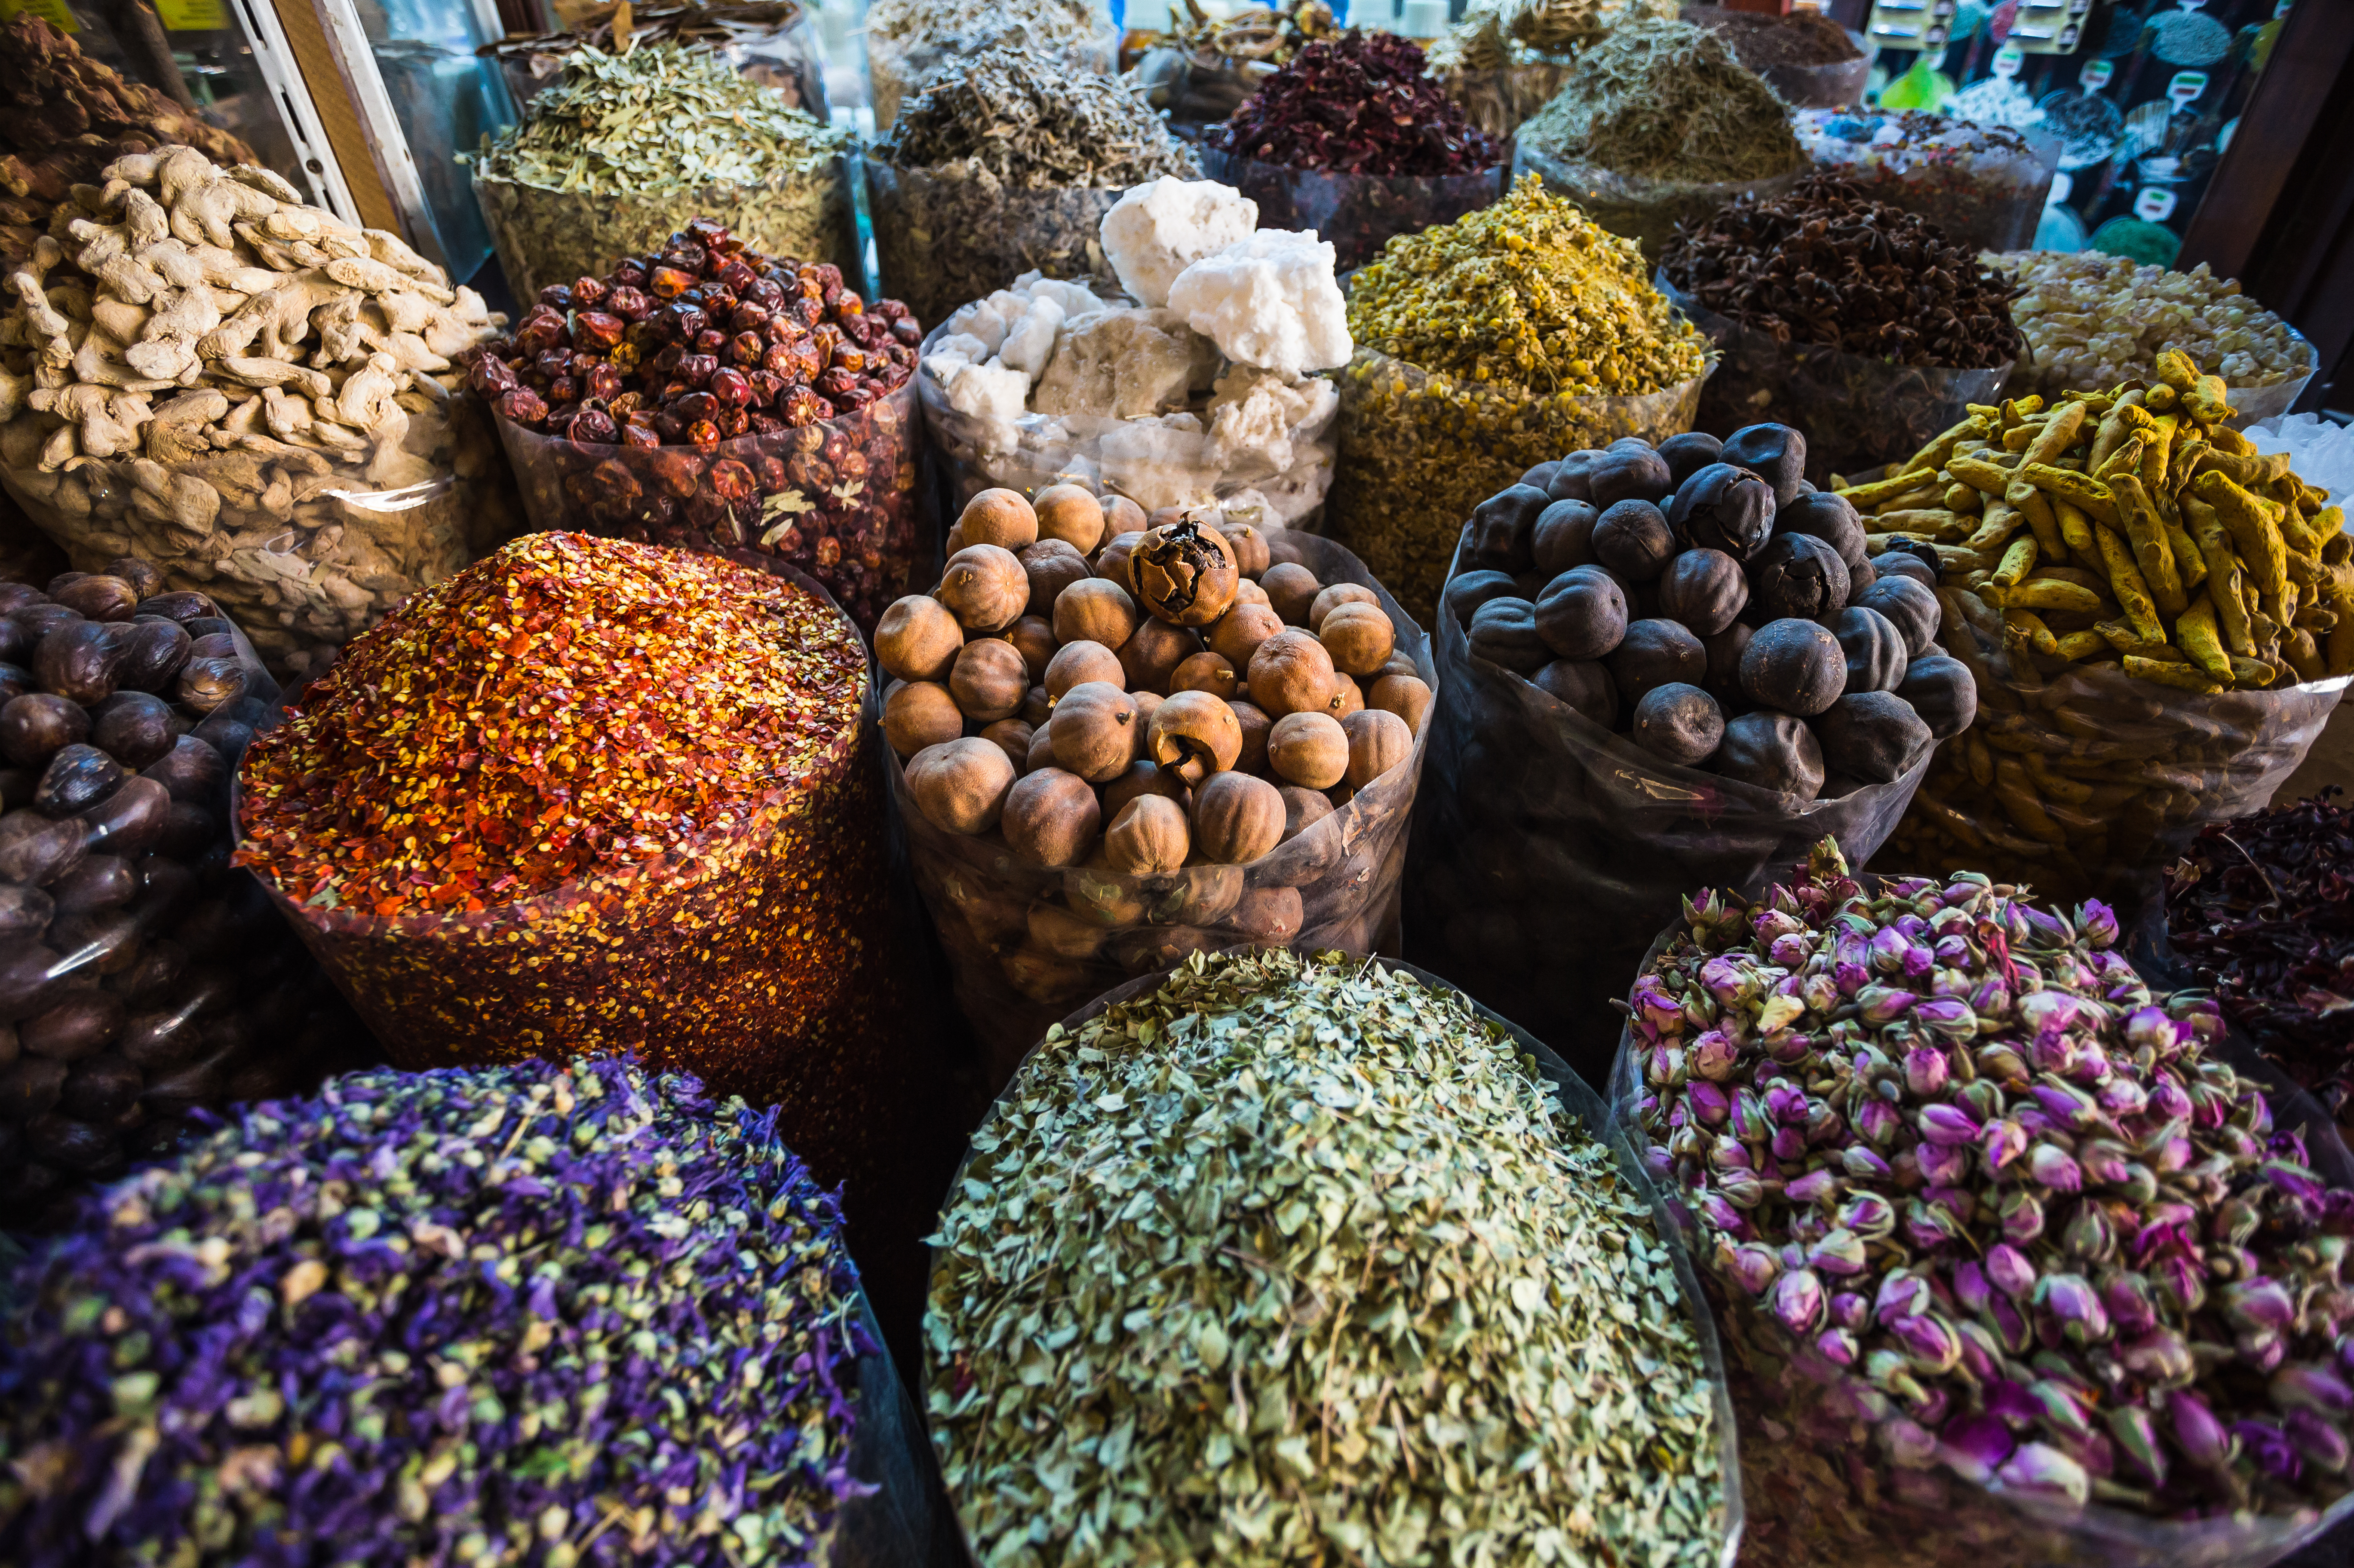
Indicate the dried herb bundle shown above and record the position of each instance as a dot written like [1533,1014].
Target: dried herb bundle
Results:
[1360,103]
[657,118]
[1822,264]
[2262,909]
[1019,119]
[908,42]
[1293,1260]
[1667,101]
[1526,292]
[534,1313]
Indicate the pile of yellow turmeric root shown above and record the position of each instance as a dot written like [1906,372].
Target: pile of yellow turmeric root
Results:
[2132,527]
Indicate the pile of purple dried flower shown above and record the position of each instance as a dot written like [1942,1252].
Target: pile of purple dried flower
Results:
[561,1314]
[1947,1138]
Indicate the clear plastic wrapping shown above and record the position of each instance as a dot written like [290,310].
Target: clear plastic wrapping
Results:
[1168,460]
[1646,210]
[1984,184]
[547,237]
[2250,403]
[1581,1104]
[1821,1486]
[942,242]
[141,978]
[1357,213]
[1545,849]
[304,548]
[1858,412]
[838,499]
[1026,941]
[1421,448]
[2080,781]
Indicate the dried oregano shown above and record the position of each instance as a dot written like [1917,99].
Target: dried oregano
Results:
[1294,1260]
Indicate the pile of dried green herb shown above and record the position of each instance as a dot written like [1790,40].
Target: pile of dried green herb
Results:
[630,146]
[1006,163]
[1292,1260]
[1667,101]
[907,40]
[1508,337]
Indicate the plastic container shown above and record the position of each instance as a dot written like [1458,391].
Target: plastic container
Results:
[1357,213]
[142,978]
[2150,763]
[941,243]
[1153,463]
[2250,403]
[1643,209]
[1419,450]
[547,237]
[1344,871]
[839,499]
[304,549]
[1545,849]
[1984,184]
[1581,1104]
[1821,1487]
[899,67]
[780,926]
[1858,412]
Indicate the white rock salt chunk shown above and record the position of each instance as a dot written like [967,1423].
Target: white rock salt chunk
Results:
[988,391]
[1030,342]
[1158,229]
[1076,299]
[1155,463]
[982,320]
[964,345]
[1120,364]
[1269,300]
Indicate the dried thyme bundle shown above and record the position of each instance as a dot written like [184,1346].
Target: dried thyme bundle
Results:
[1526,292]
[561,1314]
[1667,101]
[654,119]
[908,40]
[1020,120]
[1293,1261]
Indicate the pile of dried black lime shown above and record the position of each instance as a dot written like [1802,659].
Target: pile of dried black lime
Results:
[2262,909]
[1359,104]
[1820,263]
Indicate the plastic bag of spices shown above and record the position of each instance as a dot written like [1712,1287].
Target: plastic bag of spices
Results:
[837,498]
[1858,412]
[1026,940]
[1545,848]
[141,979]
[1646,210]
[1358,213]
[1835,1468]
[1984,184]
[940,242]
[968,1293]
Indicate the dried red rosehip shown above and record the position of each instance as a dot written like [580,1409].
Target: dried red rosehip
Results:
[682,322]
[624,357]
[710,340]
[747,317]
[906,330]
[587,293]
[641,434]
[629,273]
[555,297]
[629,304]
[848,357]
[730,388]
[538,333]
[837,382]
[736,274]
[765,385]
[745,348]
[552,362]
[489,375]
[705,435]
[730,481]
[732,423]
[602,381]
[808,358]
[523,404]
[696,370]
[594,426]
[563,389]
[804,407]
[597,331]
[764,424]
[764,292]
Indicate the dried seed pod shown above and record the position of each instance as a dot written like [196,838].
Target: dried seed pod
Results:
[1310,749]
[1249,546]
[961,786]
[1208,672]
[1149,838]
[999,517]
[1195,735]
[1704,589]
[1408,696]
[1359,636]
[1184,573]
[989,680]
[1145,778]
[1076,662]
[919,714]
[1378,741]
[1332,597]
[1072,514]
[1347,697]
[1096,731]
[1053,565]
[1236,819]
[1725,508]
[1122,516]
[986,590]
[1153,651]
[1303,809]
[1096,610]
[1012,736]
[1290,673]
[1255,727]
[1679,723]
[1034,638]
[1290,590]
[1111,561]
[1052,817]
[1772,751]
[1798,576]
[1238,633]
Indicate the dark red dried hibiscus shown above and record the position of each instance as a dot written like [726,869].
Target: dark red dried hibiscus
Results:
[1358,104]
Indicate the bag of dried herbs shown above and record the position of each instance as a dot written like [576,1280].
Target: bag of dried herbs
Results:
[571,1313]
[1808,59]
[1860,319]
[773,42]
[143,981]
[2012,1266]
[1129,739]
[2161,621]
[1201,73]
[1662,666]
[633,145]
[1984,184]
[707,396]
[909,41]
[1484,347]
[1005,164]
[1659,124]
[1287,1257]
[1205,381]
[1506,59]
[1354,141]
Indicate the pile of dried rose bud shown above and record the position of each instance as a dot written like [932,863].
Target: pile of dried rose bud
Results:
[1948,1139]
